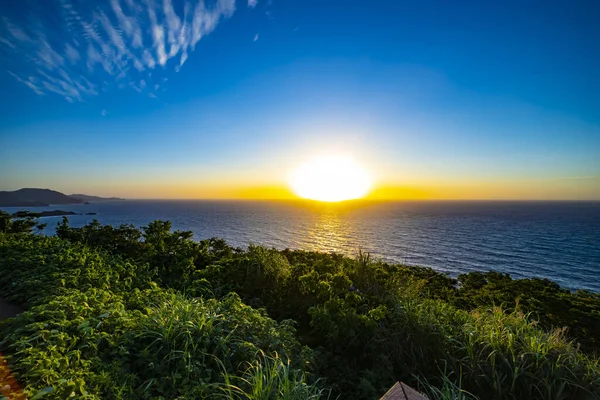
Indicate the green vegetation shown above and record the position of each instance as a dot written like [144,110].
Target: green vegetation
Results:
[120,313]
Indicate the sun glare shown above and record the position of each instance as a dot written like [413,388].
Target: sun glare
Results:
[333,178]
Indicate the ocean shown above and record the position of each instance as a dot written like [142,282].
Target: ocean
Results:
[555,240]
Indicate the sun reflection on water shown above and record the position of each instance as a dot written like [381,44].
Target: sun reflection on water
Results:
[329,231]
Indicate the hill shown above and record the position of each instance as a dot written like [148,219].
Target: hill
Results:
[85,197]
[29,197]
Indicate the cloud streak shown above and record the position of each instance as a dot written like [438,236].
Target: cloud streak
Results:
[118,43]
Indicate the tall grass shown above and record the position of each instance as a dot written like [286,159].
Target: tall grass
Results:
[449,389]
[182,344]
[491,353]
[270,378]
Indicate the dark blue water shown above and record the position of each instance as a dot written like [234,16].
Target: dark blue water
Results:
[557,240]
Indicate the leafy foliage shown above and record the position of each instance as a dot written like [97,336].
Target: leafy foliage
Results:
[23,224]
[547,302]
[150,313]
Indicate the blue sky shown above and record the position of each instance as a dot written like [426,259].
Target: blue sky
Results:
[173,99]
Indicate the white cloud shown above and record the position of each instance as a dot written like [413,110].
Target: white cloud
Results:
[71,53]
[159,43]
[29,83]
[184,57]
[138,65]
[252,3]
[16,32]
[7,43]
[115,44]
[255,38]
[148,59]
[103,112]
[128,24]
[205,20]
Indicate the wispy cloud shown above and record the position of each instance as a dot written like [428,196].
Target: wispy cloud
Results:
[96,45]
[29,82]
[255,38]
[252,3]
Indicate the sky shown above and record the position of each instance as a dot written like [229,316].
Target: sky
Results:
[223,98]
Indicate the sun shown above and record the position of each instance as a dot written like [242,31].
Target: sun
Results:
[331,178]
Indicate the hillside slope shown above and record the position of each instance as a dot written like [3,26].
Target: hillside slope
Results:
[30,197]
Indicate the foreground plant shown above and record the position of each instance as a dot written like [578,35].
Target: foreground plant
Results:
[270,378]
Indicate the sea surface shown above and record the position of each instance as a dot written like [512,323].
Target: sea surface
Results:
[555,240]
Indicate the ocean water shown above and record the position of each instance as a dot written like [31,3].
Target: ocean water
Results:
[556,240]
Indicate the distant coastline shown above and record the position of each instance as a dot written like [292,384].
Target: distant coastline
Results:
[33,197]
[52,213]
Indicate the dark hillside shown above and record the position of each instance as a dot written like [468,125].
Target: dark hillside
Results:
[30,197]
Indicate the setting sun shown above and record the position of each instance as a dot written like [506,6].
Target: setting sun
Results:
[333,178]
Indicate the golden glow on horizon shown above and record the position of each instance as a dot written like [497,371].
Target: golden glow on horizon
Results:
[330,179]
[259,185]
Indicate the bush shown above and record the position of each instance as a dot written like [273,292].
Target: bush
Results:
[91,344]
